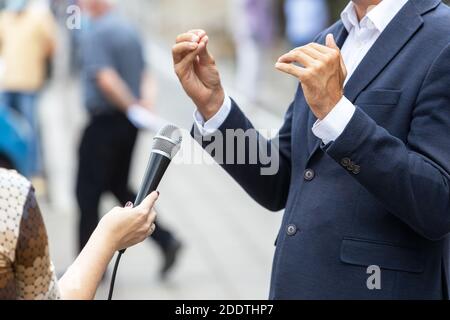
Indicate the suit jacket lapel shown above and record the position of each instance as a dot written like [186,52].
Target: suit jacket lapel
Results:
[391,41]
[340,35]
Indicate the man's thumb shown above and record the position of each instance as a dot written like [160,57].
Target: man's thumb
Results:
[331,43]
[204,55]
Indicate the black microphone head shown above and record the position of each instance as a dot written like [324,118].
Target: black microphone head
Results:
[167,142]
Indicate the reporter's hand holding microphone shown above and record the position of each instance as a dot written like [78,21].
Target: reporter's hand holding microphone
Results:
[126,227]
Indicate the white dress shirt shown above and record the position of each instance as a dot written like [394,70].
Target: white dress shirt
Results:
[362,36]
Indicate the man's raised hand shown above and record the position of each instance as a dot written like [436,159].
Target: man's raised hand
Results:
[321,72]
[197,71]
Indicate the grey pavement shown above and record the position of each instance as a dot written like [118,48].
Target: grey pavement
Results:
[228,238]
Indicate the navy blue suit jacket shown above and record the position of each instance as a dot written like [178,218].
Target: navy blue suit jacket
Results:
[378,195]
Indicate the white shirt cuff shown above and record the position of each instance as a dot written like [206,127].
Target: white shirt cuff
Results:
[213,124]
[334,124]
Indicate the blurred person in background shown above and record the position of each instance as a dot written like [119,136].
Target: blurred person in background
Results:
[26,270]
[27,44]
[252,25]
[305,19]
[118,98]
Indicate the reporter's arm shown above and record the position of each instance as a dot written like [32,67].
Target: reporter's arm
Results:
[81,280]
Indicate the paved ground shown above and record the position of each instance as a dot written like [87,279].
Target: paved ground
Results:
[228,239]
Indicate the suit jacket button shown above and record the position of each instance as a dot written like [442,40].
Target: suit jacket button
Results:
[291,230]
[356,169]
[309,174]
[351,167]
[346,162]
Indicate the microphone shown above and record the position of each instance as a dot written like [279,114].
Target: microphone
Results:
[166,145]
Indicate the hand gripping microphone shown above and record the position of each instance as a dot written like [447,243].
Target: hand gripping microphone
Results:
[166,145]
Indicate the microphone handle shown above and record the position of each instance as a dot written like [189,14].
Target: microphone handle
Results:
[156,168]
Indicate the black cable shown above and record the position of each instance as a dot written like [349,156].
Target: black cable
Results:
[113,278]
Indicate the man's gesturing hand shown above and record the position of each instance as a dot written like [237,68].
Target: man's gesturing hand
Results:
[322,74]
[198,72]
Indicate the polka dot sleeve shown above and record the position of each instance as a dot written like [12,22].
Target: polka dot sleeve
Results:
[26,271]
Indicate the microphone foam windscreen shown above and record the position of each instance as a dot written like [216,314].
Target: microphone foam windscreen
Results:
[168,141]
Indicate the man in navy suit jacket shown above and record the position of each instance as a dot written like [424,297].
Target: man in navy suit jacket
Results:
[364,153]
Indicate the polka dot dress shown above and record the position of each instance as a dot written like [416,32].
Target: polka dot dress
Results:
[26,271]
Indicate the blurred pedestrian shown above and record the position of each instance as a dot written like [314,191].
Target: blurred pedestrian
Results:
[27,42]
[117,94]
[252,27]
[304,20]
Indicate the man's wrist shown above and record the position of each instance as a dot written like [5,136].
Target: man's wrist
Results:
[210,110]
[213,124]
[331,127]
[324,112]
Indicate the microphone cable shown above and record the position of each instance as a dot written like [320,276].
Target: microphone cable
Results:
[114,274]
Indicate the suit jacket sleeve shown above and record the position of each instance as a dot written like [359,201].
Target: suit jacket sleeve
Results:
[269,189]
[411,179]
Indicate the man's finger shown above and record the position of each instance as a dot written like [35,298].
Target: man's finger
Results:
[187,37]
[312,52]
[188,60]
[331,43]
[204,56]
[198,32]
[180,50]
[298,57]
[322,49]
[291,69]
[343,68]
